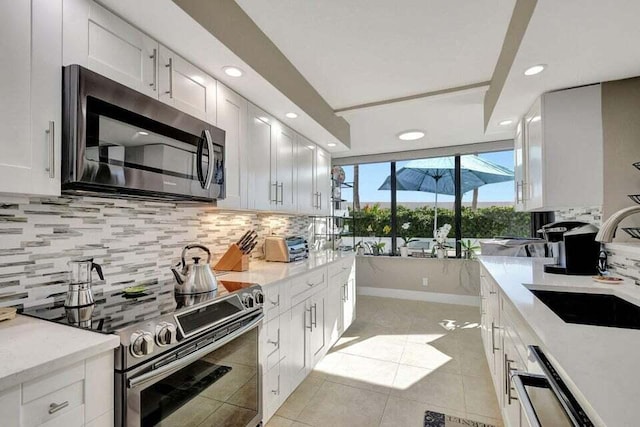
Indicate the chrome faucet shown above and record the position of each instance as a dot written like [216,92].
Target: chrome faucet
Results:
[608,229]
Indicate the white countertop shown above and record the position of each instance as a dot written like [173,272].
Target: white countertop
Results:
[30,348]
[265,273]
[602,363]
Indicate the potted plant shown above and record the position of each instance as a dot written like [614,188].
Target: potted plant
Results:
[360,248]
[468,249]
[440,238]
[378,247]
[405,235]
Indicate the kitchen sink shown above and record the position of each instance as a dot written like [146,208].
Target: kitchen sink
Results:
[591,309]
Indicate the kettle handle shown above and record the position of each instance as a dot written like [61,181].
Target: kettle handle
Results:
[98,269]
[194,246]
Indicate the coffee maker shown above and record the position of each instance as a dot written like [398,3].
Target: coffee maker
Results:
[574,247]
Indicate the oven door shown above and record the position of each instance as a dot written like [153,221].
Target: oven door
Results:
[218,384]
[120,141]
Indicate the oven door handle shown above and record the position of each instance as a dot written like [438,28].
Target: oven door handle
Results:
[181,363]
[520,380]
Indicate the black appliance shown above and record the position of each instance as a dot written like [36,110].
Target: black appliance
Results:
[574,246]
[119,142]
[178,352]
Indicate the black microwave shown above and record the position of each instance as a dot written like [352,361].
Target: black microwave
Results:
[119,142]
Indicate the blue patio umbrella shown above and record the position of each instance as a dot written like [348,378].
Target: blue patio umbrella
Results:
[437,176]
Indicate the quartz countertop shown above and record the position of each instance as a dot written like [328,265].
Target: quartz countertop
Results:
[265,273]
[601,364]
[30,348]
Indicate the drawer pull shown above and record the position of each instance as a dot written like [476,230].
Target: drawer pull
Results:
[55,407]
[311,284]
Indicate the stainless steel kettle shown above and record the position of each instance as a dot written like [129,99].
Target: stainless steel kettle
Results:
[197,277]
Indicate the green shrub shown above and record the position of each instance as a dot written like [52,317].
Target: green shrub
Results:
[480,223]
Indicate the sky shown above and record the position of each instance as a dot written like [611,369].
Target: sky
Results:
[373,175]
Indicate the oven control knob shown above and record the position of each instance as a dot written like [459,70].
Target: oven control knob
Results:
[248,300]
[165,334]
[258,296]
[141,343]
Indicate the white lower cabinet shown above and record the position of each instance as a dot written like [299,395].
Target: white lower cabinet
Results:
[310,318]
[506,339]
[77,395]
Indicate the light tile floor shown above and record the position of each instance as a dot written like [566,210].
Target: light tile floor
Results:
[398,359]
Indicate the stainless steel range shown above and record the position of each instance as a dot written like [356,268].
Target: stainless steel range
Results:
[182,359]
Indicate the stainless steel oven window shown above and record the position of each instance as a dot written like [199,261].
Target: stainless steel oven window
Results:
[219,388]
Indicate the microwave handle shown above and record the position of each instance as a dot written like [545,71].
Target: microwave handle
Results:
[212,163]
[205,183]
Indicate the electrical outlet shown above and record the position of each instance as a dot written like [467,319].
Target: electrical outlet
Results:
[425,281]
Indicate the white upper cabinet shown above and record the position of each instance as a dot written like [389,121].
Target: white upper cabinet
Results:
[562,151]
[262,188]
[30,87]
[232,118]
[102,42]
[323,181]
[272,162]
[186,87]
[285,168]
[305,165]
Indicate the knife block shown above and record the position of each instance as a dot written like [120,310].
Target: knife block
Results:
[233,260]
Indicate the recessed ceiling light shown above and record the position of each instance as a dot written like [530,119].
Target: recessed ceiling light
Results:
[291,115]
[505,122]
[331,144]
[232,71]
[411,135]
[143,133]
[535,119]
[536,69]
[311,146]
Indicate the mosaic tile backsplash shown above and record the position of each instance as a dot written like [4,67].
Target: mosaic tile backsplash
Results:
[134,241]
[591,215]
[625,263]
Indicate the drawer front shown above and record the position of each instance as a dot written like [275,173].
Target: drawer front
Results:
[54,405]
[49,383]
[306,285]
[341,266]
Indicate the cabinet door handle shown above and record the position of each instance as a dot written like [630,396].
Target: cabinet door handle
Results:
[314,321]
[276,302]
[154,56]
[170,66]
[275,184]
[508,370]
[277,390]
[310,327]
[320,200]
[493,338]
[51,133]
[55,407]
[276,343]
[281,185]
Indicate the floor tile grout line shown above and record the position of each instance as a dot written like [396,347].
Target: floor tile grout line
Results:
[384,409]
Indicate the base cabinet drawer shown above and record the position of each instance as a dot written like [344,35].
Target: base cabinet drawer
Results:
[274,391]
[54,405]
[73,418]
[304,286]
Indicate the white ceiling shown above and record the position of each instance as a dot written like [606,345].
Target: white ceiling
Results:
[582,42]
[452,119]
[359,51]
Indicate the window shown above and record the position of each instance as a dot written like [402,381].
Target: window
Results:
[487,203]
